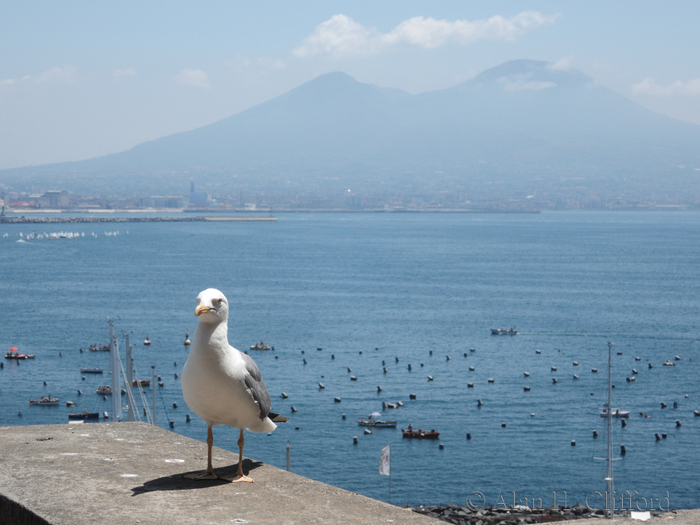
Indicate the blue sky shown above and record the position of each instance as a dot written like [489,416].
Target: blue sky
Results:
[83,79]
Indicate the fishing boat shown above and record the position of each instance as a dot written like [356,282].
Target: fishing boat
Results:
[106,390]
[83,415]
[84,370]
[44,401]
[260,346]
[142,382]
[503,331]
[99,348]
[420,433]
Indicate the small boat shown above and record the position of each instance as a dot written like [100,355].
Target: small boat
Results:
[503,331]
[142,382]
[99,348]
[617,413]
[84,415]
[46,401]
[377,423]
[84,370]
[147,341]
[420,433]
[260,346]
[669,363]
[106,390]
[13,353]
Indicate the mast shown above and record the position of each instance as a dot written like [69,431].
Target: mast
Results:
[610,495]
[116,374]
[129,368]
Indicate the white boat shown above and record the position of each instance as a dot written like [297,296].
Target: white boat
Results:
[260,346]
[378,423]
[503,331]
[616,413]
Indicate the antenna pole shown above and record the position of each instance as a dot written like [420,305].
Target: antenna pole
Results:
[610,496]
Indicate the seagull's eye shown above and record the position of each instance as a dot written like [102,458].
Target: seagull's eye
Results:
[219,301]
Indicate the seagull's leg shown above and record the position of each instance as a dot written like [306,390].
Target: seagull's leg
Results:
[239,475]
[209,473]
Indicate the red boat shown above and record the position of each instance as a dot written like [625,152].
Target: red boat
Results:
[420,433]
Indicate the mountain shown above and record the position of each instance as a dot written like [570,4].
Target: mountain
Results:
[521,128]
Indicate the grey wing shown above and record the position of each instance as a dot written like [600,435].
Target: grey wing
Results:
[256,387]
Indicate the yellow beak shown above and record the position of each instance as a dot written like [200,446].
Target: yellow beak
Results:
[201,309]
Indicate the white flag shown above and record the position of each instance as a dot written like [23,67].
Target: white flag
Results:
[385,462]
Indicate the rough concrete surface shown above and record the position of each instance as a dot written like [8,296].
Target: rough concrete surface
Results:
[674,517]
[116,473]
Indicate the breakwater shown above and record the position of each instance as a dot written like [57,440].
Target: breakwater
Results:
[81,220]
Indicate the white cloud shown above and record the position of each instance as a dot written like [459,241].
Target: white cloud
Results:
[649,87]
[128,72]
[193,77]
[56,74]
[342,36]
[563,64]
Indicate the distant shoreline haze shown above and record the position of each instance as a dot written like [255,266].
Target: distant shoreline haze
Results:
[520,136]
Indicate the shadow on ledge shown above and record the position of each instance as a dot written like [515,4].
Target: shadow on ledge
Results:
[179,482]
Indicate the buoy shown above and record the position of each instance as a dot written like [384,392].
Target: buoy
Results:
[44,383]
[383,362]
[319,348]
[172,424]
[637,358]
[430,378]
[471,368]
[532,414]
[696,412]
[554,368]
[575,376]
[174,405]
[472,349]
[304,361]
[379,388]
[469,436]
[176,376]
[503,425]
[353,378]
[421,365]
[441,446]
[650,367]
[19,414]
[448,358]
[354,440]
[284,395]
[399,403]
[332,356]
[385,371]
[175,363]
[160,383]
[470,385]
[675,404]
[412,396]
[465,354]
[624,423]
[431,352]
[595,433]
[344,417]
[594,370]
[337,400]
[538,351]
[296,428]
[187,418]
[657,436]
[349,370]
[526,374]
[554,380]
[527,389]
[573,442]
[409,367]
[302,351]
[294,409]
[663,435]
[367,431]
[83,378]
[575,363]
[70,404]
[360,352]
[60,354]
[663,405]
[397,359]
[678,358]
[479,402]
[623,450]
[678,423]
[635,371]
[491,380]
[104,398]
[321,386]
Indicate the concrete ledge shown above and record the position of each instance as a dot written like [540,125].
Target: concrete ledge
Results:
[115,473]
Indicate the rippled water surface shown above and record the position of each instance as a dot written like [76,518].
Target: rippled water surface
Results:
[403,289]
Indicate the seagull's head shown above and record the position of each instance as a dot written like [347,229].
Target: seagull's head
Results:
[212,307]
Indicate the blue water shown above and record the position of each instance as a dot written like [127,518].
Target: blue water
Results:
[373,287]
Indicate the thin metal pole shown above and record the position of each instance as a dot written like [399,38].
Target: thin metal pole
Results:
[610,498]
[116,374]
[390,473]
[288,456]
[153,387]
[129,368]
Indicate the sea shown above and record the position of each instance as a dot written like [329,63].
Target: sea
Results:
[405,304]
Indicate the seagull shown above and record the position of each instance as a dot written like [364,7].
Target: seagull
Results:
[222,385]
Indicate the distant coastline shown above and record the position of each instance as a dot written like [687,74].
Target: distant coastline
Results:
[79,220]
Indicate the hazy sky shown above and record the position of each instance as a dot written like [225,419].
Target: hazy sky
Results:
[82,79]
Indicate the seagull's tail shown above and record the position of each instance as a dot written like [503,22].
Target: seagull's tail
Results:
[277,418]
